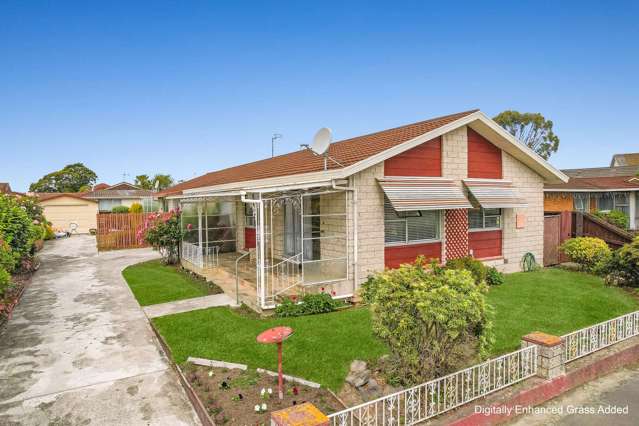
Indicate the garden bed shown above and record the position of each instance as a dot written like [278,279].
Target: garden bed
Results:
[12,297]
[230,396]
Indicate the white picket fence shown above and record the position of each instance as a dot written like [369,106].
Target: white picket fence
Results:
[591,339]
[202,257]
[421,402]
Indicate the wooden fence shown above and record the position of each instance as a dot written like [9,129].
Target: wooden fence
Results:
[119,230]
[589,225]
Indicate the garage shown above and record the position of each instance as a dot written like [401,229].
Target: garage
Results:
[64,209]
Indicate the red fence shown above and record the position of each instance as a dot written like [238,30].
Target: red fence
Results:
[119,230]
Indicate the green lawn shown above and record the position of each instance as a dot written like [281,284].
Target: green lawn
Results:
[321,348]
[152,282]
[551,300]
[554,301]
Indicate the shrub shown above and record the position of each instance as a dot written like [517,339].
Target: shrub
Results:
[474,266]
[16,228]
[310,304]
[7,261]
[136,208]
[48,232]
[588,252]
[614,217]
[494,277]
[623,268]
[434,321]
[32,207]
[164,233]
[5,282]
[120,209]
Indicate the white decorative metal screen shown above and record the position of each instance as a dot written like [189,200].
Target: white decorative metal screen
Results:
[421,402]
[591,339]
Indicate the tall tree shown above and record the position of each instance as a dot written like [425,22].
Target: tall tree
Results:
[162,181]
[144,182]
[531,128]
[72,178]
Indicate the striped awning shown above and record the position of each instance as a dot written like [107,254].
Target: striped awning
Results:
[494,193]
[423,193]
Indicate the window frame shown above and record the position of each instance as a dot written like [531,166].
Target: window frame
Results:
[484,215]
[405,220]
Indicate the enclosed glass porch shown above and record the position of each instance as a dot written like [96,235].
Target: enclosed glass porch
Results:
[261,247]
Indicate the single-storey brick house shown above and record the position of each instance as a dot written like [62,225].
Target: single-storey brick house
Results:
[443,188]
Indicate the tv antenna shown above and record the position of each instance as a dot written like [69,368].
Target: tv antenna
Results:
[276,136]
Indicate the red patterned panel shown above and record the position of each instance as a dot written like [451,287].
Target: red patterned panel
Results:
[396,255]
[456,233]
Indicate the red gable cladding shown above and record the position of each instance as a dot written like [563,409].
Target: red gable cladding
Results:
[484,158]
[423,160]
[396,255]
[456,224]
[485,244]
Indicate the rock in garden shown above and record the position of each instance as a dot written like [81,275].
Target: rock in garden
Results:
[359,375]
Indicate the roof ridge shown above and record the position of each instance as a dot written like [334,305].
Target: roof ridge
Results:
[338,144]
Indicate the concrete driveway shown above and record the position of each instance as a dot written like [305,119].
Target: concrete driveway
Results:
[79,349]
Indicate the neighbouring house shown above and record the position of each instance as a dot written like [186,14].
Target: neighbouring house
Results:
[81,208]
[5,188]
[122,194]
[630,159]
[597,189]
[443,188]
[64,209]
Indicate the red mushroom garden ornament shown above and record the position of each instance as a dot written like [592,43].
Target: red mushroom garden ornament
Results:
[277,335]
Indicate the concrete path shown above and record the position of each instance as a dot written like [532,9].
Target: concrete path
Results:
[588,404]
[186,305]
[79,349]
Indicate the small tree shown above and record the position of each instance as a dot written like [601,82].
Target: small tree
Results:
[532,129]
[136,208]
[164,233]
[434,321]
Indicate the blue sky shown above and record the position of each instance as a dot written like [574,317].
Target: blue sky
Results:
[188,87]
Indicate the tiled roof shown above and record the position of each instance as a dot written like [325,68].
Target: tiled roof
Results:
[119,193]
[346,152]
[44,196]
[101,186]
[599,183]
[602,172]
[599,178]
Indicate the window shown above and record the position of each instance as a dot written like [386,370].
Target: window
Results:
[581,202]
[622,202]
[605,202]
[249,217]
[483,219]
[410,227]
[108,204]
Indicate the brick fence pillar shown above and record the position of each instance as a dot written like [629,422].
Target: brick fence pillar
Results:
[299,415]
[550,363]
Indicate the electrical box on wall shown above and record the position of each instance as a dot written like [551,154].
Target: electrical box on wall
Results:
[520,221]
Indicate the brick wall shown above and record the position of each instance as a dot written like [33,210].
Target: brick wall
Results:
[517,242]
[370,220]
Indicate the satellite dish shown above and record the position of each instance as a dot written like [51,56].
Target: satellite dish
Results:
[321,141]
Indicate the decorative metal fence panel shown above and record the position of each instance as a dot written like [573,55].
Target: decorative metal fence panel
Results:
[421,402]
[202,257]
[591,339]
